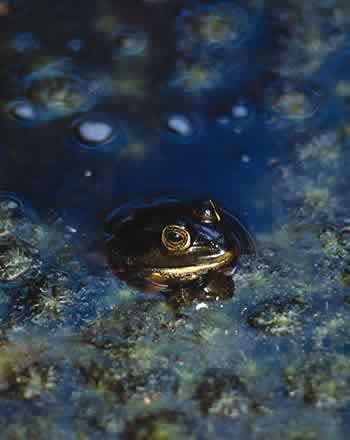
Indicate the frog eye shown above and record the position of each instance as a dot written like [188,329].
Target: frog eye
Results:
[175,238]
[207,212]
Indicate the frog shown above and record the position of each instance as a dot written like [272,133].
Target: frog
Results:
[184,249]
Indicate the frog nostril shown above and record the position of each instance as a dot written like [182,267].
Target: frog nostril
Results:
[207,212]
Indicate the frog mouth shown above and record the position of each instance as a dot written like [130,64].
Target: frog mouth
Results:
[189,272]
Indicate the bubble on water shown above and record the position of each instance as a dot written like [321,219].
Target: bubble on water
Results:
[99,132]
[23,112]
[88,173]
[9,205]
[245,158]
[181,127]
[94,132]
[76,44]
[13,203]
[239,117]
[240,111]
[18,220]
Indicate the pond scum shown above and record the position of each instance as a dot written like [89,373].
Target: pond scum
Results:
[86,357]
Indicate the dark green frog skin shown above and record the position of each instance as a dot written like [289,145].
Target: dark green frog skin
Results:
[166,244]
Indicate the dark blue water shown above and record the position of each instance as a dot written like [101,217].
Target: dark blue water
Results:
[43,159]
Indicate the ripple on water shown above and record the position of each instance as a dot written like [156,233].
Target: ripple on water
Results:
[53,89]
[13,204]
[293,102]
[58,89]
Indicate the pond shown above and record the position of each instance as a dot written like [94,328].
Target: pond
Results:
[106,107]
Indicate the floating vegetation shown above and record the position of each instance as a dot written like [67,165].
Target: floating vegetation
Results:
[23,373]
[19,241]
[196,78]
[277,317]
[222,393]
[218,26]
[319,381]
[18,219]
[170,424]
[54,296]
[293,102]
[57,89]
[52,89]
[17,262]
[130,42]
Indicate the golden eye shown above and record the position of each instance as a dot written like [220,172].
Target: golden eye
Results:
[175,238]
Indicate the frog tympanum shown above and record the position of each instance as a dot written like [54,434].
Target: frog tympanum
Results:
[168,245]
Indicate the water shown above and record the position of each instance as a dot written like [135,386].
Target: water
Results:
[242,102]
